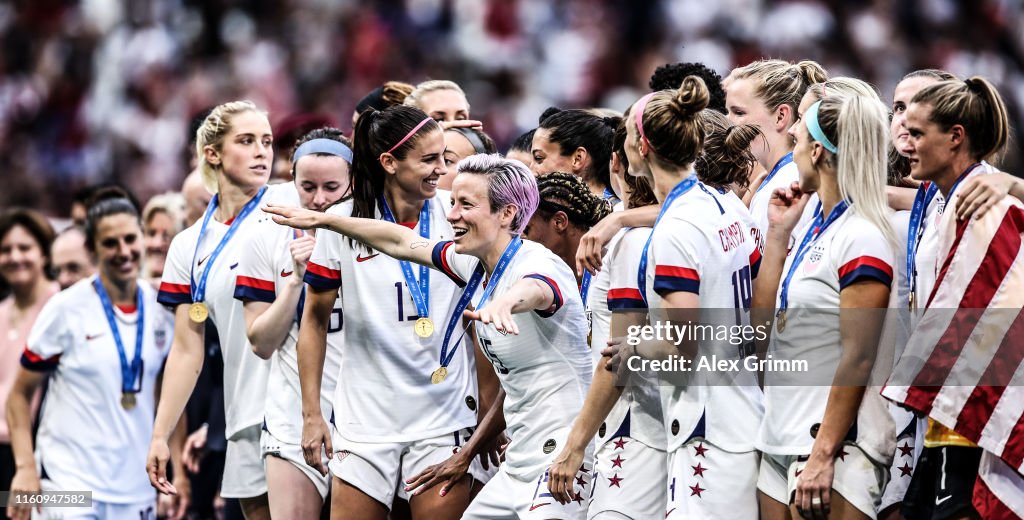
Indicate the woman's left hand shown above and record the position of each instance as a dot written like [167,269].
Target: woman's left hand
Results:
[498,312]
[814,487]
[981,192]
[297,218]
[562,475]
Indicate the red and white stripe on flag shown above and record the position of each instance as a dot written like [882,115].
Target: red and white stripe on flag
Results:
[964,363]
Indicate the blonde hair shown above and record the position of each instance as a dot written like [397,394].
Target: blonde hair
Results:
[212,132]
[843,86]
[171,203]
[415,98]
[779,82]
[859,126]
[974,104]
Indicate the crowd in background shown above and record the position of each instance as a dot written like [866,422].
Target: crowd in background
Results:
[100,90]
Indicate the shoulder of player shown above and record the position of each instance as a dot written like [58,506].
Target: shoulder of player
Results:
[534,258]
[343,208]
[282,193]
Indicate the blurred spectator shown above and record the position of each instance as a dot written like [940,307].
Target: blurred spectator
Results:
[25,239]
[285,134]
[102,90]
[71,260]
[163,217]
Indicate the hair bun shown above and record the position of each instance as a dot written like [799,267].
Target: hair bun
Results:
[692,96]
[550,111]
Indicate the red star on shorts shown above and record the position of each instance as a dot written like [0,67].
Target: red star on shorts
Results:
[614,481]
[842,454]
[699,470]
[578,499]
[700,450]
[620,443]
[906,450]
[617,461]
[581,482]
[697,490]
[906,470]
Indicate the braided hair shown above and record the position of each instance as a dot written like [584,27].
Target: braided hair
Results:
[565,192]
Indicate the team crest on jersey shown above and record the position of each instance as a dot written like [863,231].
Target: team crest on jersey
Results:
[813,257]
[160,338]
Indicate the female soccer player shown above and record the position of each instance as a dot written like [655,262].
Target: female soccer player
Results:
[530,325]
[953,126]
[460,143]
[270,283]
[162,219]
[234,147]
[99,408]
[567,210]
[766,94]
[578,142]
[390,422]
[826,449]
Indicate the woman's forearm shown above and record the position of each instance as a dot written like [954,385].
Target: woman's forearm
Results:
[19,419]
[268,325]
[391,239]
[600,400]
[312,348]
[181,371]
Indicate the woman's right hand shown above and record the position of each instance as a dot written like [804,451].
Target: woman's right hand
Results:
[297,218]
[26,481]
[156,466]
[315,436]
[786,207]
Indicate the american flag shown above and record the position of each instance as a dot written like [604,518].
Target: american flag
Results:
[963,364]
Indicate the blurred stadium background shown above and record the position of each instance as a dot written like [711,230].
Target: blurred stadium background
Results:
[94,90]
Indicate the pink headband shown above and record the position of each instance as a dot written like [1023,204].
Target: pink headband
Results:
[410,134]
[640,107]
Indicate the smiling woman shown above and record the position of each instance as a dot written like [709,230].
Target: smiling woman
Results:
[529,321]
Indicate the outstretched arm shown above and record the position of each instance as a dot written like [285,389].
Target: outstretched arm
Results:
[391,239]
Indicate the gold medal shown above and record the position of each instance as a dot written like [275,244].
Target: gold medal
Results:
[198,312]
[127,400]
[424,327]
[439,375]
[910,300]
[780,321]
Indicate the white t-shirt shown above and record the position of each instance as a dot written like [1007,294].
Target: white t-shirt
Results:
[851,249]
[86,440]
[245,374]
[384,393]
[546,369]
[702,246]
[641,399]
[261,274]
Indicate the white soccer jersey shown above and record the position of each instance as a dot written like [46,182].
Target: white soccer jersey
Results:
[702,246]
[546,369]
[384,393]
[926,259]
[245,374]
[86,440]
[848,251]
[641,399]
[785,176]
[261,274]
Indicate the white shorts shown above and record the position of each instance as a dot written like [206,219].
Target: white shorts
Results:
[629,479]
[144,510]
[244,474]
[272,446]
[901,470]
[381,469]
[507,497]
[857,478]
[705,481]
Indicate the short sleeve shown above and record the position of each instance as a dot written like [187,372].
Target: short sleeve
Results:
[175,285]
[458,268]
[624,269]
[323,271]
[255,279]
[863,255]
[50,337]
[545,268]
[676,251]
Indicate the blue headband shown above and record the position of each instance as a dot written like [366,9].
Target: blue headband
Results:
[324,146]
[811,120]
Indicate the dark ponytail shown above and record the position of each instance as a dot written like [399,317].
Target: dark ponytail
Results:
[376,132]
